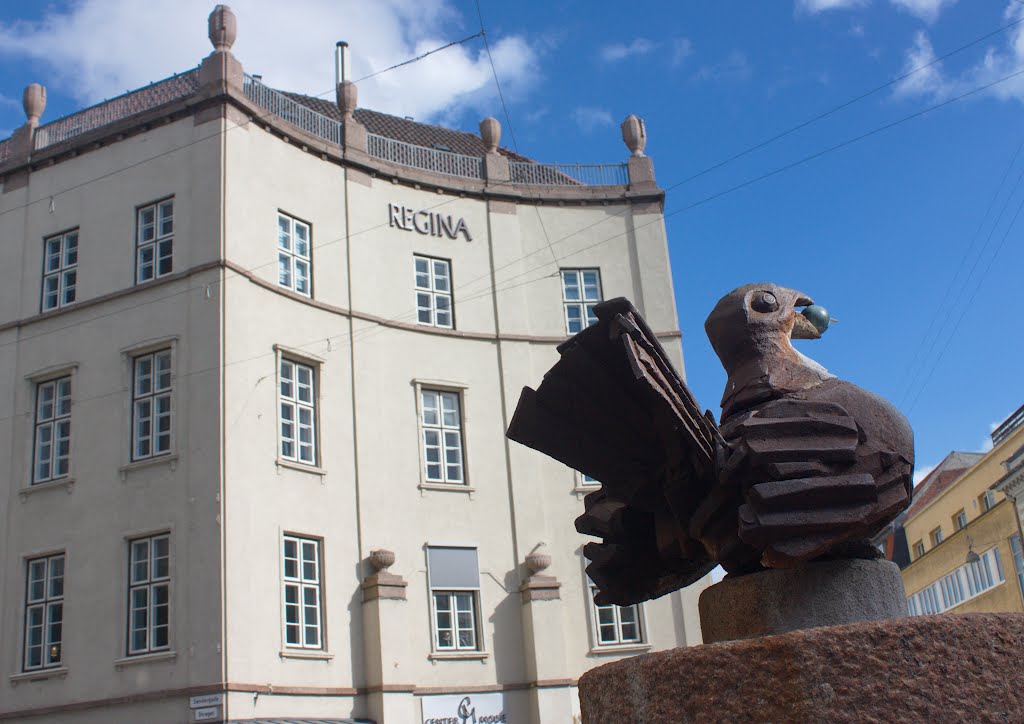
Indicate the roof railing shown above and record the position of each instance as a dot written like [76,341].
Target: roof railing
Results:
[569,174]
[303,117]
[429,159]
[103,114]
[1008,425]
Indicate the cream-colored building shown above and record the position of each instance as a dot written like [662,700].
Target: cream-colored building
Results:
[964,536]
[258,353]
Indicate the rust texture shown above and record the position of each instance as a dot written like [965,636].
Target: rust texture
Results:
[947,668]
[803,467]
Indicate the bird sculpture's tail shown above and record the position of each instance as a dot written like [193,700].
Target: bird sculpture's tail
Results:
[614,408]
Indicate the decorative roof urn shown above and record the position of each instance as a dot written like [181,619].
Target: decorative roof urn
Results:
[634,134]
[34,102]
[490,132]
[223,28]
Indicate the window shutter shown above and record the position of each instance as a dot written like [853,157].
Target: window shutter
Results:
[453,568]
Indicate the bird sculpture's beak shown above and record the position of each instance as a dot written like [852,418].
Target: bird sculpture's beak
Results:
[803,328]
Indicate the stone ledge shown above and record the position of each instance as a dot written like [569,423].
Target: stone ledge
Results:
[951,667]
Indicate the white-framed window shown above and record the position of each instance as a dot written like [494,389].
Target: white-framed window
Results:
[585,481]
[433,280]
[52,453]
[149,594]
[988,500]
[581,291]
[303,614]
[1018,560]
[441,421]
[959,586]
[454,578]
[936,536]
[154,240]
[152,387]
[616,624]
[60,270]
[297,405]
[960,520]
[918,549]
[294,260]
[44,612]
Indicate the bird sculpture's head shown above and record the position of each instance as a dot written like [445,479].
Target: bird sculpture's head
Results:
[750,329]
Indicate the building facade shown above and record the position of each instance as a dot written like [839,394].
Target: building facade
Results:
[258,353]
[964,537]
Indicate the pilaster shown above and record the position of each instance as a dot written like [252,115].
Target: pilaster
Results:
[544,645]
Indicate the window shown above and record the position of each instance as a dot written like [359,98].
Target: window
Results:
[149,603]
[44,612]
[936,536]
[442,436]
[918,549]
[960,520]
[154,240]
[1018,560]
[616,624]
[988,500]
[433,292]
[454,576]
[302,615]
[298,412]
[60,270]
[963,584]
[53,430]
[293,255]
[581,290]
[151,405]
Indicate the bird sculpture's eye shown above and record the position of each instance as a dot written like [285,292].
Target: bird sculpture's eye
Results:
[764,302]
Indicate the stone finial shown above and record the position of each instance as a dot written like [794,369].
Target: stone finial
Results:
[381,559]
[537,562]
[223,28]
[490,132]
[348,98]
[34,102]
[634,134]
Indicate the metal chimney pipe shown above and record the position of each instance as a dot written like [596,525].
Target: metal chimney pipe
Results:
[340,62]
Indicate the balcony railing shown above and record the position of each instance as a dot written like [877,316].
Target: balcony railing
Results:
[429,159]
[569,174]
[317,124]
[102,114]
[303,117]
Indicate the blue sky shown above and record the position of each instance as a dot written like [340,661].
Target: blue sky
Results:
[899,234]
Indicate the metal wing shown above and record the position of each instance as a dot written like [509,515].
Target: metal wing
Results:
[614,408]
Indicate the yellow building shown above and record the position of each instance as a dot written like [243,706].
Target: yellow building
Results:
[964,538]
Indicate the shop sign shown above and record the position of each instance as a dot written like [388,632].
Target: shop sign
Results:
[429,223]
[465,709]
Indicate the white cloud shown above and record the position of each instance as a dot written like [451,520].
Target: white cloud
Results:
[589,118]
[620,51]
[682,49]
[922,473]
[927,10]
[998,63]
[734,67]
[96,49]
[817,6]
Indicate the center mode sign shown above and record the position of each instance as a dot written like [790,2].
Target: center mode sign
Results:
[427,222]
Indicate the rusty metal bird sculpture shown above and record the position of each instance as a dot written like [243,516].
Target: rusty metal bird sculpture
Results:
[803,466]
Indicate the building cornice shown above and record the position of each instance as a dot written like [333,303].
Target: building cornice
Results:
[271,287]
[231,101]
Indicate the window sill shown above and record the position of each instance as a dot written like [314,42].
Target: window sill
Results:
[613,649]
[582,490]
[301,467]
[144,659]
[38,675]
[480,656]
[169,460]
[306,654]
[448,487]
[65,483]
